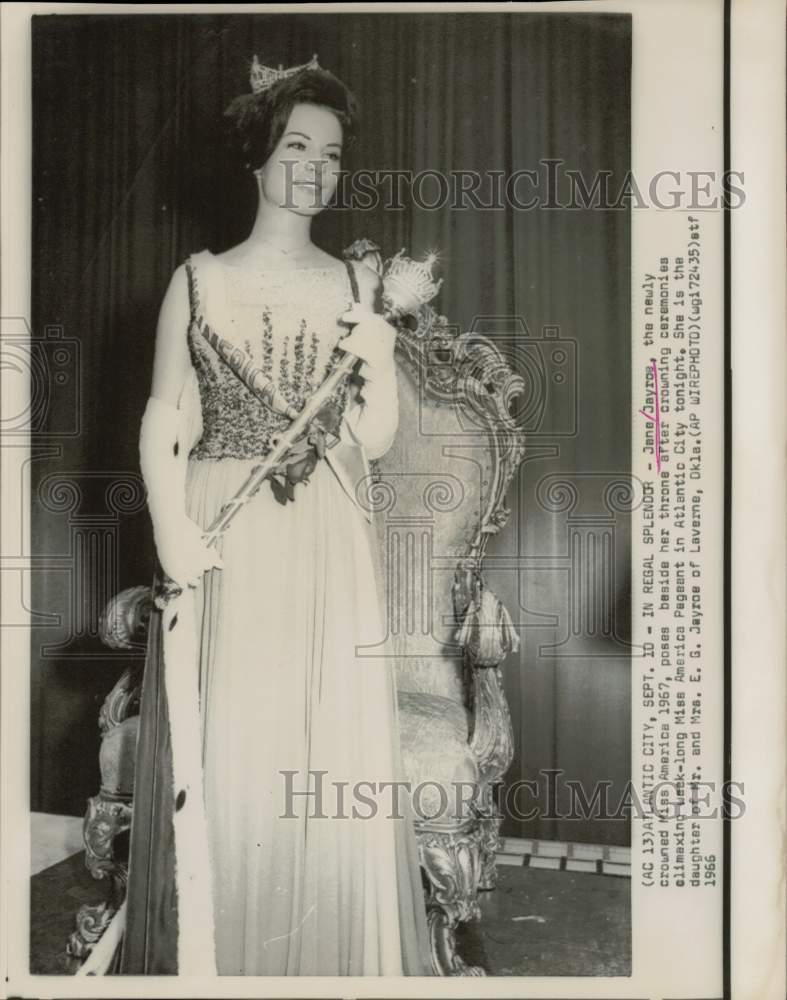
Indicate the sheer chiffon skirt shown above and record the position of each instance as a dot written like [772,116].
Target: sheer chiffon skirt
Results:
[313,873]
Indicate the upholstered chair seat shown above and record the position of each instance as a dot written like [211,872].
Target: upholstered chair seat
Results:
[436,754]
[116,758]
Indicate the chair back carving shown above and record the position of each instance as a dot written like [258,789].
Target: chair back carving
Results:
[439,493]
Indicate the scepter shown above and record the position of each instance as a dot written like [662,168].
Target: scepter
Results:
[408,285]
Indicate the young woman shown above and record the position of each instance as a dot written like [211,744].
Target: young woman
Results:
[301,884]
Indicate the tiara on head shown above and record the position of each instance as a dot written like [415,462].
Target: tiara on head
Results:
[263,77]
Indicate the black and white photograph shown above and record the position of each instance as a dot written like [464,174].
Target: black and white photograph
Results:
[427,582]
[373,486]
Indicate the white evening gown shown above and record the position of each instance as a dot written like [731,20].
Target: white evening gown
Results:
[284,688]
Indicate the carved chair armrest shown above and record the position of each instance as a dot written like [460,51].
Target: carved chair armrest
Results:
[124,621]
[487,635]
[122,702]
[123,625]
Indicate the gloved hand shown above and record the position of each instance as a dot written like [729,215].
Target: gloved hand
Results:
[183,554]
[372,339]
[372,420]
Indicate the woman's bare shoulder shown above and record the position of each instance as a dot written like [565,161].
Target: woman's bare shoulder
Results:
[177,290]
[175,306]
[232,257]
[365,273]
[323,257]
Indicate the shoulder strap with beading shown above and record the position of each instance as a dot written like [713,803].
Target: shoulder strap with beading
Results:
[353,280]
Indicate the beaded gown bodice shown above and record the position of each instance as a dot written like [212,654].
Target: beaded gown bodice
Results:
[286,321]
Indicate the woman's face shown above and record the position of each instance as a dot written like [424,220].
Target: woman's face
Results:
[302,172]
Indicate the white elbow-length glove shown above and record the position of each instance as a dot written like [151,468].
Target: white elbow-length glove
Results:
[163,456]
[373,420]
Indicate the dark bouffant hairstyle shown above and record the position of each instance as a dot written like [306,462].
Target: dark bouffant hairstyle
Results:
[257,121]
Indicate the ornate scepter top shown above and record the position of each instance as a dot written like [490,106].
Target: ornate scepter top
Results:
[409,284]
[263,77]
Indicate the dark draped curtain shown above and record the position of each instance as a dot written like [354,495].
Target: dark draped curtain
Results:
[131,174]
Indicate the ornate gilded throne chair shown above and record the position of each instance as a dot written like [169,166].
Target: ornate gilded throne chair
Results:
[438,495]
[123,625]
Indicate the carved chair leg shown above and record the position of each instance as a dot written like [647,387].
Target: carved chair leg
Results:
[106,818]
[446,961]
[492,743]
[91,922]
[490,846]
[452,863]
